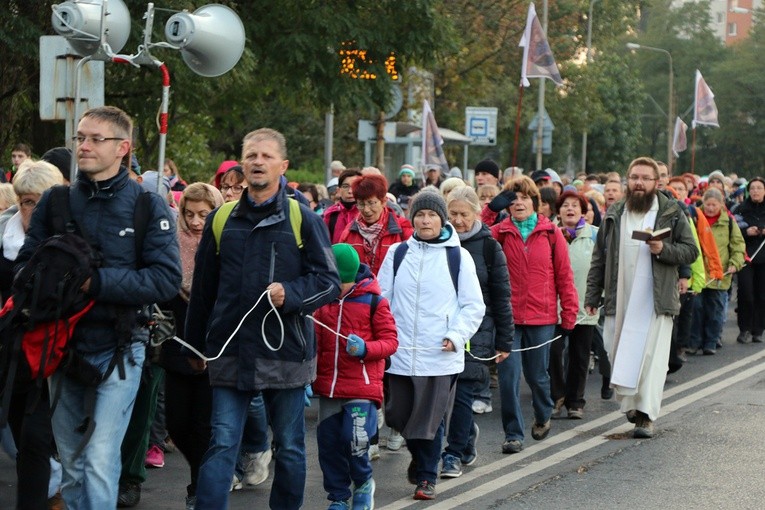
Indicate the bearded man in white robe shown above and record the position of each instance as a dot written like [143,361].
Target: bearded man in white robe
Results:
[637,282]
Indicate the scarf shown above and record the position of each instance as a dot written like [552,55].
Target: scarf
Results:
[188,243]
[709,252]
[526,226]
[371,235]
[571,233]
[470,233]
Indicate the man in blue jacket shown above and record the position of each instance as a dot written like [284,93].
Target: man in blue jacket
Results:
[112,334]
[273,352]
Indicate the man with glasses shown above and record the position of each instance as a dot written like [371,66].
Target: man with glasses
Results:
[102,201]
[638,280]
[344,211]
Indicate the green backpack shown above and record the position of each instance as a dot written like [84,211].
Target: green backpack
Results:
[221,216]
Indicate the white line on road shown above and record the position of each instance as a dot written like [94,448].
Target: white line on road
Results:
[502,465]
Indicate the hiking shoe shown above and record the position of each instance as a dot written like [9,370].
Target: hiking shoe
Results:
[191,502]
[643,428]
[236,484]
[155,457]
[425,490]
[743,337]
[539,431]
[411,472]
[512,446]
[374,451]
[129,495]
[470,454]
[451,467]
[756,339]
[557,412]
[339,505]
[395,440]
[256,467]
[575,414]
[364,496]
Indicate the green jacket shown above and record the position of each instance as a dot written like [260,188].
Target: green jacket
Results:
[679,248]
[698,275]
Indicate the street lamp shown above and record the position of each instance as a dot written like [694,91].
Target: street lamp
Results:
[634,46]
[589,59]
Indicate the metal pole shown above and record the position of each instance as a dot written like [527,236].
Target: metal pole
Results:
[589,60]
[541,100]
[329,128]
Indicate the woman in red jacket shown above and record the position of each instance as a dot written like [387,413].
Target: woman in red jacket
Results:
[349,375]
[540,276]
[376,227]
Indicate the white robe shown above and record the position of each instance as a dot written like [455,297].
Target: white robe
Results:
[637,340]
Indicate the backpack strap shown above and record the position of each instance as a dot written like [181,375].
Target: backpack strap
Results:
[296,221]
[332,222]
[374,301]
[59,212]
[453,259]
[141,218]
[224,211]
[398,257]
[489,253]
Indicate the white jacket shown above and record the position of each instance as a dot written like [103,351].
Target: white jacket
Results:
[427,309]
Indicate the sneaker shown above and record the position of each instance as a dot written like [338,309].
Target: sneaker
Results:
[470,454]
[451,467]
[155,457]
[256,467]
[539,431]
[374,452]
[479,406]
[512,446]
[236,484]
[411,472]
[191,502]
[756,339]
[339,505]
[425,490]
[129,495]
[643,428]
[557,412]
[395,440]
[575,414]
[743,337]
[364,496]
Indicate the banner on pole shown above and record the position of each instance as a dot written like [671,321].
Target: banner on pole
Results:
[538,60]
[704,107]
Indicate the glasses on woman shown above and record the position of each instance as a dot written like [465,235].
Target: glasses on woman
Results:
[367,204]
[236,190]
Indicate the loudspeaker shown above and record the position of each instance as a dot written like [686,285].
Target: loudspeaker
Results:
[211,39]
[81,24]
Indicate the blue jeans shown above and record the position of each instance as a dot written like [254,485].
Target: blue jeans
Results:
[255,435]
[461,423]
[92,479]
[426,453]
[534,365]
[343,441]
[708,318]
[229,411]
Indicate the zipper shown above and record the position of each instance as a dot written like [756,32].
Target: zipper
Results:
[423,247]
[272,263]
[364,371]
[299,323]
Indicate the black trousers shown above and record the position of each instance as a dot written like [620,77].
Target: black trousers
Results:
[751,299]
[568,380]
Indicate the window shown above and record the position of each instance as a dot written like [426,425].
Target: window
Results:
[732,29]
[720,17]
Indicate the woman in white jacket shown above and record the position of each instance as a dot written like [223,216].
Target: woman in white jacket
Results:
[435,297]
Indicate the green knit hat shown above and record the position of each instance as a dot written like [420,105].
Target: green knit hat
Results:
[347,262]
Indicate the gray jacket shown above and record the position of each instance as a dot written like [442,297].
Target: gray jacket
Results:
[679,248]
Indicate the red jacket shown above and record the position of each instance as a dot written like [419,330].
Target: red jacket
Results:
[337,217]
[396,229]
[540,274]
[338,374]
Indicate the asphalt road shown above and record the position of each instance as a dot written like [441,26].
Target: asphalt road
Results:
[708,453]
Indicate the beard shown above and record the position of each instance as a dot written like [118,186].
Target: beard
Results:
[640,203]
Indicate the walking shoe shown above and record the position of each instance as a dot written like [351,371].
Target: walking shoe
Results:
[451,467]
[606,391]
[425,490]
[411,472]
[395,440]
[480,407]
[374,452]
[256,467]
[236,484]
[743,337]
[756,339]
[191,502]
[557,412]
[512,446]
[470,454]
[539,431]
[339,505]
[575,414]
[364,496]
[643,428]
[129,495]
[631,416]
[155,457]
[709,352]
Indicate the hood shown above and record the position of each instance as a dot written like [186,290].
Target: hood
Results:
[365,282]
[451,240]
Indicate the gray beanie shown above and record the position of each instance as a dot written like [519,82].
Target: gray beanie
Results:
[428,200]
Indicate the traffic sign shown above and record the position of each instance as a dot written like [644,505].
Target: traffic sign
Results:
[481,125]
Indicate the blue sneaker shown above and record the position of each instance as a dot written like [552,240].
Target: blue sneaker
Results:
[364,496]
[470,454]
[451,467]
[339,505]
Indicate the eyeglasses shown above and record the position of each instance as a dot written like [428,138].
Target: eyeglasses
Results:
[95,140]
[640,178]
[28,203]
[369,204]
[234,189]
[346,186]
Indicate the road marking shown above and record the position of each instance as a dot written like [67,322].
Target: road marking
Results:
[536,466]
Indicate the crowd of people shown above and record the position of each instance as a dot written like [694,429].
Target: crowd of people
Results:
[403,304]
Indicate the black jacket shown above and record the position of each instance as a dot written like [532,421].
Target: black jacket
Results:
[751,214]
